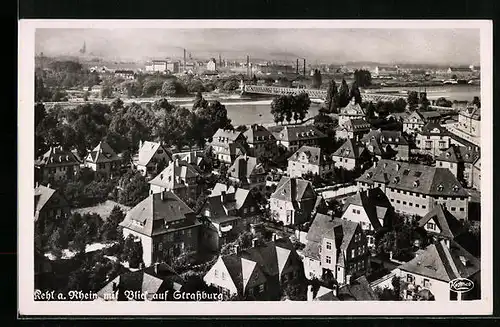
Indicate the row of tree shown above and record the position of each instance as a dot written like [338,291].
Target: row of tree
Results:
[339,98]
[288,107]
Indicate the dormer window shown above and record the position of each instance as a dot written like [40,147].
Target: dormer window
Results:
[440,188]
[396,180]
[447,154]
[369,175]
[416,183]
[455,188]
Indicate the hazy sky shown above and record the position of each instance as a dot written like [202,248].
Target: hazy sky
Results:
[438,46]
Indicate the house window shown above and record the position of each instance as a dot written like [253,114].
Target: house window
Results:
[410,204]
[462,209]
[216,273]
[430,226]
[398,201]
[245,210]
[353,253]
[427,283]
[353,210]
[404,202]
[392,200]
[328,245]
[453,209]
[417,205]
[223,276]
[252,209]
[423,207]
[160,246]
[358,212]
[328,259]
[261,288]
[409,278]
[188,232]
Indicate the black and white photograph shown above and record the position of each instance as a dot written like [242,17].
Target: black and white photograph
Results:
[255,167]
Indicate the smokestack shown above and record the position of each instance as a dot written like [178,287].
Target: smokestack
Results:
[184,60]
[297,67]
[220,61]
[248,65]
[304,66]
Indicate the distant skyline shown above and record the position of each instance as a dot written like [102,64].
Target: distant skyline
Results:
[390,46]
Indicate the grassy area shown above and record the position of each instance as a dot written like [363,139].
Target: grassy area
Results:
[103,209]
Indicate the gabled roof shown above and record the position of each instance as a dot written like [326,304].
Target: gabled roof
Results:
[414,178]
[458,154]
[224,205]
[430,114]
[244,167]
[376,204]
[414,115]
[350,150]
[340,230]
[360,290]
[356,125]
[255,265]
[433,129]
[449,225]
[228,135]
[147,151]
[56,156]
[352,109]
[258,133]
[293,189]
[385,137]
[295,133]
[153,214]
[312,153]
[42,196]
[439,262]
[194,157]
[144,280]
[176,174]
[102,153]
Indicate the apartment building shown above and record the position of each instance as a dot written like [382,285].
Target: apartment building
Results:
[309,160]
[433,139]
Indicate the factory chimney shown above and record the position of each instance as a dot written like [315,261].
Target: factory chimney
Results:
[297,67]
[184,60]
[304,66]
[248,65]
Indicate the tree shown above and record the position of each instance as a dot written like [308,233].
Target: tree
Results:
[254,79]
[134,189]
[316,79]
[399,105]
[110,228]
[199,101]
[424,102]
[58,241]
[343,98]
[106,91]
[370,110]
[332,97]
[241,128]
[362,77]
[412,100]
[355,93]
[295,291]
[442,102]
[133,251]
[300,106]
[169,88]
[230,85]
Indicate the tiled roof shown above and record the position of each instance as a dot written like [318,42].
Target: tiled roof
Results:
[360,290]
[430,114]
[56,156]
[224,206]
[433,129]
[229,135]
[414,178]
[376,204]
[244,167]
[356,125]
[350,149]
[147,151]
[153,214]
[312,153]
[340,230]
[102,153]
[42,196]
[414,115]
[447,223]
[295,133]
[439,262]
[458,154]
[385,137]
[293,189]
[258,133]
[176,174]
[192,157]
[352,109]
[145,280]
[255,265]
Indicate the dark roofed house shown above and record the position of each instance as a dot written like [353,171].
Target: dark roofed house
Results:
[103,159]
[433,139]
[293,137]
[293,201]
[415,189]
[257,272]
[50,203]
[226,212]
[371,209]
[441,223]
[336,249]
[354,128]
[309,159]
[359,290]
[435,267]
[350,155]
[157,282]
[56,163]
[179,177]
[260,141]
[247,172]
[164,224]
[385,144]
[460,160]
[227,145]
